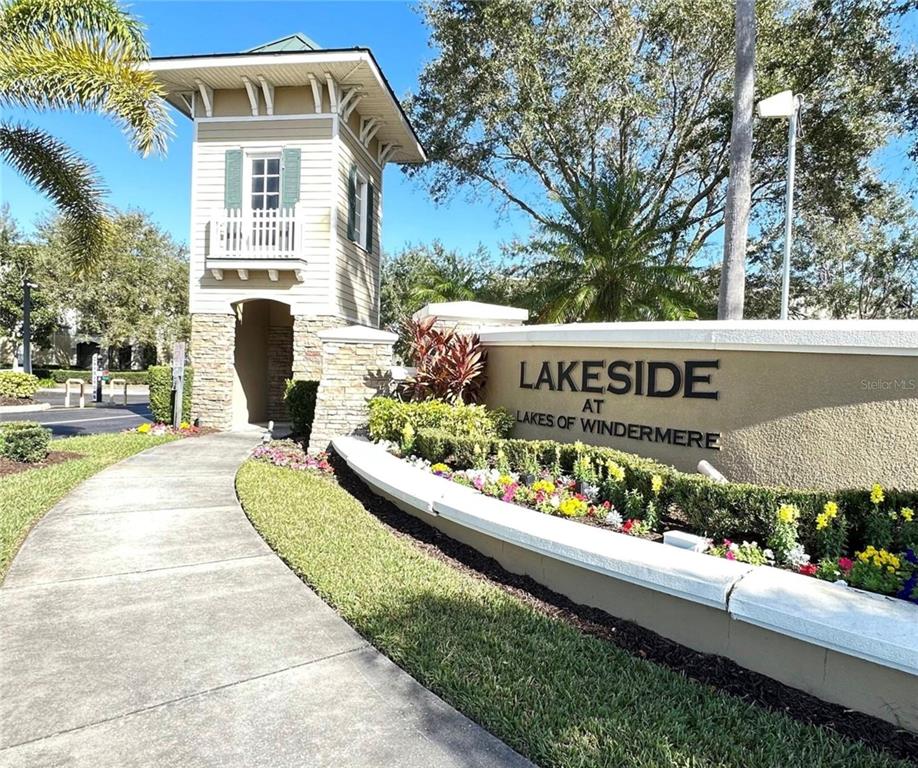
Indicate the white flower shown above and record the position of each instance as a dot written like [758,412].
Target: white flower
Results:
[614,520]
[797,556]
[769,555]
[734,547]
[555,501]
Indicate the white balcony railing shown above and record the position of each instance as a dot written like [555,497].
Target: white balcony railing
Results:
[264,234]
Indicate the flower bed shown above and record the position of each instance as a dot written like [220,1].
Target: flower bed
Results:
[290,454]
[158,429]
[596,493]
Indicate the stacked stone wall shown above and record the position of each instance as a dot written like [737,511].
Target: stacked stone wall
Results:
[352,373]
[213,339]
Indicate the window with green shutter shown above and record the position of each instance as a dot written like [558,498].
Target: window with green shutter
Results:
[290,178]
[232,179]
[352,203]
[371,218]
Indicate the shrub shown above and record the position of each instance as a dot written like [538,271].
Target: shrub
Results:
[24,441]
[388,418]
[17,385]
[300,397]
[160,379]
[60,375]
[736,511]
[450,365]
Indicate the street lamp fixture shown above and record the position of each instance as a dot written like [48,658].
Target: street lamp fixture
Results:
[781,105]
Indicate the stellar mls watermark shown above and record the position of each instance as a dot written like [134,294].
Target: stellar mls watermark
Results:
[889,385]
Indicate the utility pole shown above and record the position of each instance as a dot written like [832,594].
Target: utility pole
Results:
[26,325]
[739,194]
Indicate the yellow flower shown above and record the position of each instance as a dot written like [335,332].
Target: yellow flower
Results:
[615,471]
[184,425]
[144,428]
[788,513]
[572,507]
[828,514]
[908,514]
[656,484]
[545,486]
[504,480]
[876,494]
[440,467]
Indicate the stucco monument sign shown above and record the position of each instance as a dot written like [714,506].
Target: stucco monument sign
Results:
[816,403]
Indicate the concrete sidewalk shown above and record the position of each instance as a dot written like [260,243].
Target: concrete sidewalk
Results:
[145,623]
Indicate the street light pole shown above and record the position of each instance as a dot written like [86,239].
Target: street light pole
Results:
[26,325]
[785,104]
[789,206]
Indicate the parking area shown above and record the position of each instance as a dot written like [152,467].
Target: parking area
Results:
[91,420]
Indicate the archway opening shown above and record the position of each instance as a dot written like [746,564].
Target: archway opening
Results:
[263,361]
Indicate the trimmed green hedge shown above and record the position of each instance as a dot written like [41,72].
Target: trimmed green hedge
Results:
[719,510]
[388,418]
[300,397]
[160,380]
[24,441]
[60,375]
[18,385]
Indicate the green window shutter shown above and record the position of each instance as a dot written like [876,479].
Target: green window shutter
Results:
[290,181]
[371,218]
[352,203]
[232,179]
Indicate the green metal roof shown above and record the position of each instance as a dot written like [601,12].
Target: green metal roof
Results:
[295,42]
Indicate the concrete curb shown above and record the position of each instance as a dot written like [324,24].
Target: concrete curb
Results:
[31,408]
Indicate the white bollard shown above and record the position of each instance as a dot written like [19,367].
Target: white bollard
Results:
[67,392]
[111,389]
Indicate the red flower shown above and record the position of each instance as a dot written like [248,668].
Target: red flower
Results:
[845,564]
[627,526]
[808,570]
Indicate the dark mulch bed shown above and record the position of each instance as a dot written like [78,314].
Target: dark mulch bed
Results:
[716,671]
[16,401]
[10,467]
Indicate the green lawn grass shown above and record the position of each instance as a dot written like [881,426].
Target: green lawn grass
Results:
[558,696]
[26,496]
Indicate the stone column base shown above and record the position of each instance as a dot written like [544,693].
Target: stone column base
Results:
[213,340]
[307,347]
[356,365]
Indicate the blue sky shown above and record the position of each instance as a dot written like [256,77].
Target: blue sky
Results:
[161,185]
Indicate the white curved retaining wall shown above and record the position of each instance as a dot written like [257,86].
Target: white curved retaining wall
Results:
[843,645]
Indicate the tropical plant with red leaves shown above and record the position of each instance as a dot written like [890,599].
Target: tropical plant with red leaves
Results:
[450,365]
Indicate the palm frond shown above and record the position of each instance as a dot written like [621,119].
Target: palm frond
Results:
[87,19]
[70,74]
[54,169]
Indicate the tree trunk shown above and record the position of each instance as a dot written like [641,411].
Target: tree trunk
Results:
[736,212]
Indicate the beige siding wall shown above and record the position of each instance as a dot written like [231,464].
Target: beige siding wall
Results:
[357,270]
[314,138]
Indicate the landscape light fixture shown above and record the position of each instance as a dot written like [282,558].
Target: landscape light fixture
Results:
[785,104]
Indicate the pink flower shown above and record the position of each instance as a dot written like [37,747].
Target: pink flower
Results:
[509,492]
[845,564]
[730,554]
[727,543]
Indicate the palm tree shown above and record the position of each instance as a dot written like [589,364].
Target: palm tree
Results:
[80,55]
[739,197]
[446,276]
[603,268]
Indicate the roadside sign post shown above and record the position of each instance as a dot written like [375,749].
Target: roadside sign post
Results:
[96,379]
[178,382]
